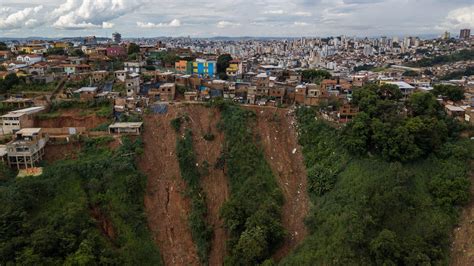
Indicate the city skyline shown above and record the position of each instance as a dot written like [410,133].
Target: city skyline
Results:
[260,18]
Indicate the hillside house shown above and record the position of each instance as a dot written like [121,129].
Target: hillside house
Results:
[165,92]
[26,150]
[133,67]
[132,84]
[120,75]
[454,111]
[29,59]
[86,93]
[100,75]
[16,120]
[129,128]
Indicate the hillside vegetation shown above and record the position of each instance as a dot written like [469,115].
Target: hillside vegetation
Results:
[387,198]
[79,212]
[463,55]
[253,213]
[201,231]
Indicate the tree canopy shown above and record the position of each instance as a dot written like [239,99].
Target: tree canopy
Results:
[3,46]
[315,75]
[133,48]
[9,82]
[451,92]
[397,130]
[462,55]
[223,62]
[372,212]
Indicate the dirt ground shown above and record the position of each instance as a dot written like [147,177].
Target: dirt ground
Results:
[166,207]
[72,118]
[284,155]
[462,250]
[203,120]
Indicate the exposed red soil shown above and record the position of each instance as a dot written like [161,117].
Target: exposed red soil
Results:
[283,153]
[462,250]
[72,118]
[203,120]
[166,207]
[103,223]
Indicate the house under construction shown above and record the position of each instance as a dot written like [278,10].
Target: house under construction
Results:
[26,150]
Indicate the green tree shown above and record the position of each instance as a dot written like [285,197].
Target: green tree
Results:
[83,256]
[357,134]
[56,51]
[315,75]
[252,246]
[453,93]
[410,73]
[3,46]
[133,48]
[421,103]
[77,52]
[223,62]
[9,82]
[385,248]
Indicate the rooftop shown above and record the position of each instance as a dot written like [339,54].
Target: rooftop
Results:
[28,131]
[453,108]
[126,125]
[21,112]
[86,89]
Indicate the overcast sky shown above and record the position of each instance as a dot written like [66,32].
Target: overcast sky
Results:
[205,18]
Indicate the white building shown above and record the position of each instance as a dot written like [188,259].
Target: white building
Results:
[133,67]
[16,120]
[29,59]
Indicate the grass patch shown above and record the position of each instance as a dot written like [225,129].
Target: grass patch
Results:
[46,116]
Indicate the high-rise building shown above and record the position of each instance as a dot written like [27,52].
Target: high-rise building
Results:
[116,37]
[446,35]
[465,34]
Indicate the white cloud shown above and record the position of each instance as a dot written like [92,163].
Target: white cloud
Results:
[22,18]
[458,18]
[303,14]
[226,24]
[83,14]
[148,25]
[274,12]
[4,10]
[300,24]
[107,25]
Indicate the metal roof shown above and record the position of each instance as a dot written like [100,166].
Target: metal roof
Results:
[126,125]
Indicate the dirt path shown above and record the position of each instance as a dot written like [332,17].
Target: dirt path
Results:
[284,155]
[166,208]
[215,185]
[462,250]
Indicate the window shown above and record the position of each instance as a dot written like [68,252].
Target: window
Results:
[22,149]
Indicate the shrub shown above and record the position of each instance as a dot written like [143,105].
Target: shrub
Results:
[209,136]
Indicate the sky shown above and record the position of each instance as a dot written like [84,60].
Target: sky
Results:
[234,18]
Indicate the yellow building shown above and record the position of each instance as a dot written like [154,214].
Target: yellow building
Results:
[32,49]
[61,45]
[235,68]
[26,49]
